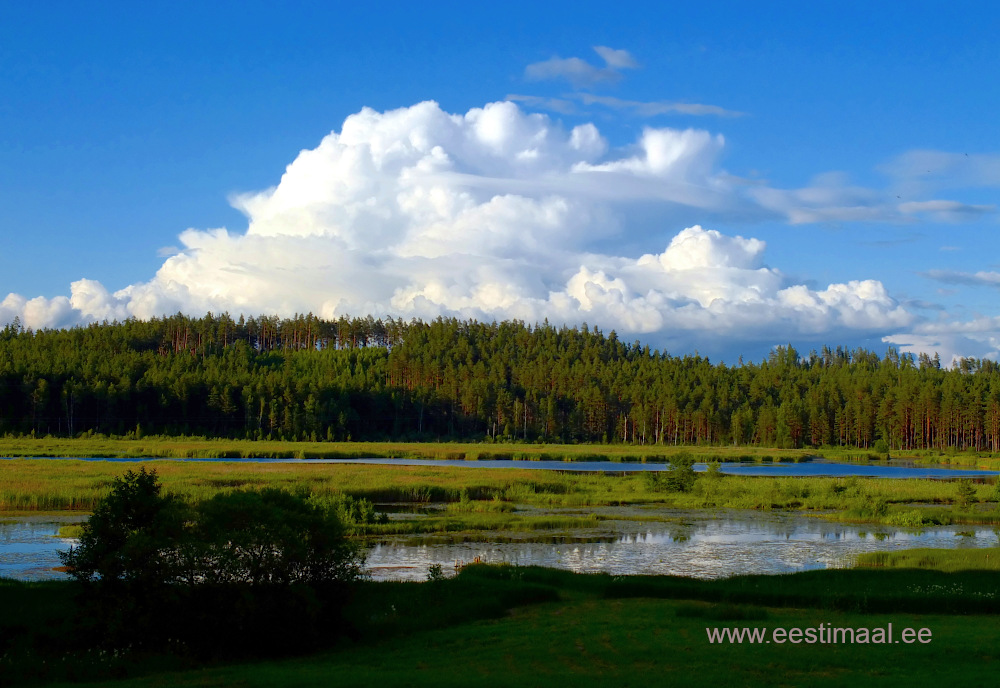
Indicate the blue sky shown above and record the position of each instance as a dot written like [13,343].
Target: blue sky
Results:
[719,178]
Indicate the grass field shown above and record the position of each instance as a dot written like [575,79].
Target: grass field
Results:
[586,644]
[505,626]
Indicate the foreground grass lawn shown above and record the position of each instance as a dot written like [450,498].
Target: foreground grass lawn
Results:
[635,642]
[529,626]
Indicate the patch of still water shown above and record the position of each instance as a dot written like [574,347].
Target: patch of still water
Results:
[30,546]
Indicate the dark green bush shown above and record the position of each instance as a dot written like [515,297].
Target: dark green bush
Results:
[242,573]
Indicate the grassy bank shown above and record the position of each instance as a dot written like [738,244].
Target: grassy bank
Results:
[206,448]
[509,626]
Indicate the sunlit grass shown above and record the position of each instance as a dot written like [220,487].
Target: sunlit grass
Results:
[950,560]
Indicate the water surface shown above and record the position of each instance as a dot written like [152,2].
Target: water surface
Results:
[697,543]
[29,546]
[810,468]
[700,544]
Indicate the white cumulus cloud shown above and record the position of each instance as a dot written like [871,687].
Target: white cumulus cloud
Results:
[494,213]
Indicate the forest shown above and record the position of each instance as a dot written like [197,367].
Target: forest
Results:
[306,378]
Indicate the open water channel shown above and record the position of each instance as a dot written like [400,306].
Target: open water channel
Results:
[629,540]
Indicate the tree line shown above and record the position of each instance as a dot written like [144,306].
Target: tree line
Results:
[306,378]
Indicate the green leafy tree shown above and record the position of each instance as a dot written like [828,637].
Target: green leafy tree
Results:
[132,536]
[371,379]
[139,537]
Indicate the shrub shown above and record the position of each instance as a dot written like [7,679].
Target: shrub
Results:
[139,537]
[965,494]
[270,537]
[681,476]
[912,518]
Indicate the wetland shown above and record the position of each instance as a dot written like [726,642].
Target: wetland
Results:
[616,518]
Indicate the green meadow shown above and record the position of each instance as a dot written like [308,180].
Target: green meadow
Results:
[510,626]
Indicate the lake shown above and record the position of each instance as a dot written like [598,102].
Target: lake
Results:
[698,543]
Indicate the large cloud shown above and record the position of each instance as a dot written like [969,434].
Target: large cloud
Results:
[492,214]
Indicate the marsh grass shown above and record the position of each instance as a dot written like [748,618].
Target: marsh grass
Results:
[70,531]
[948,560]
[466,505]
[472,522]
[491,494]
